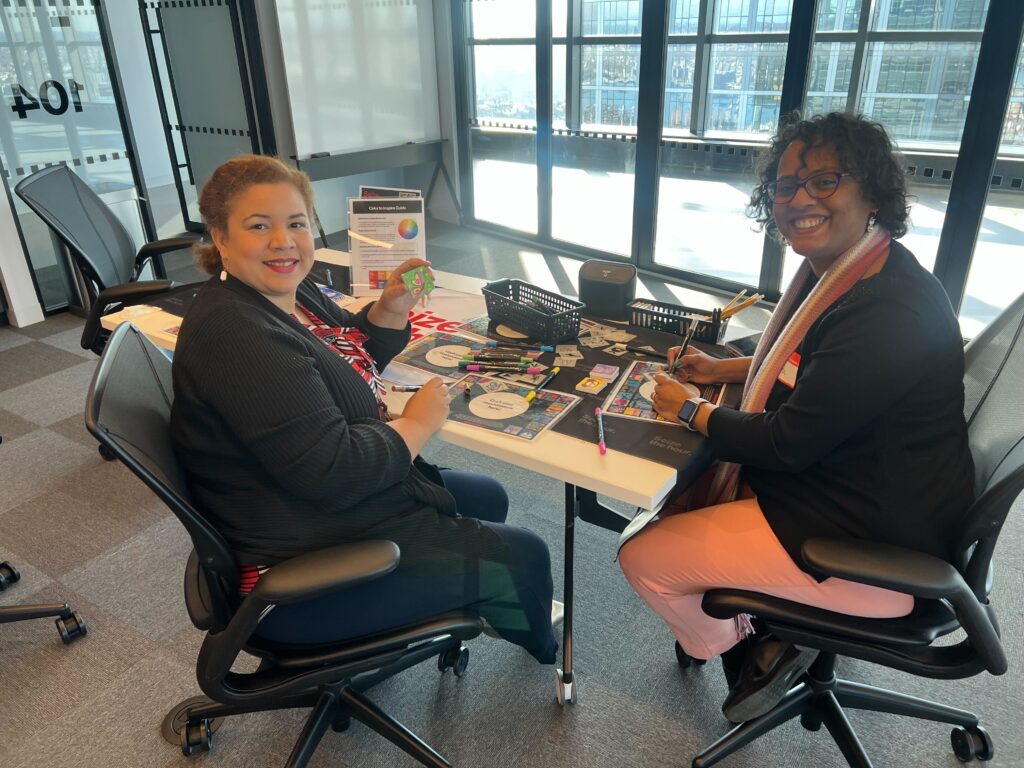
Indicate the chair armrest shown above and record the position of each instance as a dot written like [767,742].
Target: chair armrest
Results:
[327,570]
[126,293]
[884,565]
[160,247]
[301,578]
[913,573]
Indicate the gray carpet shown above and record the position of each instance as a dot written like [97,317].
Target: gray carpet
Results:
[86,531]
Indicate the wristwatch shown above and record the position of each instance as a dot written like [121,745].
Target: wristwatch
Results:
[689,411]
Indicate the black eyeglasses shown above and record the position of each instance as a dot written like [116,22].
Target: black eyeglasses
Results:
[817,185]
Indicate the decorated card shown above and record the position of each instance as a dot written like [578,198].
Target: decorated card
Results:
[632,397]
[437,353]
[419,281]
[501,406]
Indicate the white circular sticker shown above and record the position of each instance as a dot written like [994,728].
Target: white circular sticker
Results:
[498,405]
[508,333]
[447,356]
[647,389]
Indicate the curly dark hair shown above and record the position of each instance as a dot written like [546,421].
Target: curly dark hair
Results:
[865,151]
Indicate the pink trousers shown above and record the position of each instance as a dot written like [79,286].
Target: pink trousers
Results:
[673,561]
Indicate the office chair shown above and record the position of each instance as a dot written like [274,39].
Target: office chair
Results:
[99,244]
[70,624]
[947,598]
[128,410]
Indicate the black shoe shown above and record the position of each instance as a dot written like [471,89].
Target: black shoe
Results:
[771,668]
[732,661]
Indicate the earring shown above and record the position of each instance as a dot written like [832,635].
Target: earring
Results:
[223,275]
[872,220]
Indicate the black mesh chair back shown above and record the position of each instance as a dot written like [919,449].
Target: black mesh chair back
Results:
[994,409]
[128,410]
[98,241]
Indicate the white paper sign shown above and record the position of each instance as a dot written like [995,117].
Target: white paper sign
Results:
[383,232]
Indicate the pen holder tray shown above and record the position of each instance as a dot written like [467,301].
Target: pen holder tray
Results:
[546,316]
[674,318]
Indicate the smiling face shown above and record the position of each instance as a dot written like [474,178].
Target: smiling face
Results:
[820,230]
[268,244]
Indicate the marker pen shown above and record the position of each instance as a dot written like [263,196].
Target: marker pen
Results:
[520,345]
[601,447]
[500,369]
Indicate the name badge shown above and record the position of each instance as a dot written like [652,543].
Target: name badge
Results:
[788,374]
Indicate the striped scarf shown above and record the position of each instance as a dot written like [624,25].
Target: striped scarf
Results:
[786,330]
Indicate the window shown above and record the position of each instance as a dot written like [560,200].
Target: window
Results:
[909,64]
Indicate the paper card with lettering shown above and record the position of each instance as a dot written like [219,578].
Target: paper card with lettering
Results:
[501,406]
[436,353]
[383,232]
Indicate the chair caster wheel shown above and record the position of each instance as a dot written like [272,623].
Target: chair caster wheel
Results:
[9,575]
[174,724]
[455,659]
[970,743]
[686,660]
[107,453]
[71,627]
[196,737]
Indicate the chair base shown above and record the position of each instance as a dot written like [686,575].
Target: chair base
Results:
[192,723]
[820,698]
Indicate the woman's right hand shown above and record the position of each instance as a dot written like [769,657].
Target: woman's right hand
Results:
[429,407]
[695,366]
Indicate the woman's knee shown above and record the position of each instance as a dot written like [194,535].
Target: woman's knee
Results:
[477,495]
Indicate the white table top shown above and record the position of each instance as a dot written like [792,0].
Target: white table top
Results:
[626,478]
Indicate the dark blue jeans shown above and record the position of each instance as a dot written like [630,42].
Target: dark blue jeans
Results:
[514,598]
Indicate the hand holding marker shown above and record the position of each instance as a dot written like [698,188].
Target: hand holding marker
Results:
[682,350]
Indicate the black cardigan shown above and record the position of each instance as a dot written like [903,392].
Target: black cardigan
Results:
[872,442]
[282,442]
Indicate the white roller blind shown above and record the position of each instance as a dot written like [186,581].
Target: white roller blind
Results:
[360,73]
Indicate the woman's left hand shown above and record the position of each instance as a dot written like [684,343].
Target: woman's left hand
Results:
[392,308]
[669,396]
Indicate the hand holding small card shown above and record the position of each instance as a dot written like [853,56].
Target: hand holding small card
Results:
[419,281]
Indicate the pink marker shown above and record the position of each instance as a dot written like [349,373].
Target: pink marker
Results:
[601,447]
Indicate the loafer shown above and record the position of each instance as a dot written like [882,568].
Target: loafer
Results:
[771,668]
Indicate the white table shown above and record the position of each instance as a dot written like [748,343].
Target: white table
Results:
[577,463]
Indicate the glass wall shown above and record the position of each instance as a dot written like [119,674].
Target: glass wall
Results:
[594,157]
[910,64]
[503,143]
[60,108]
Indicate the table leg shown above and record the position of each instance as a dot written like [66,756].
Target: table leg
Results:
[565,683]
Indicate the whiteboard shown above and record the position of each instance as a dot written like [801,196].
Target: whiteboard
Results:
[360,74]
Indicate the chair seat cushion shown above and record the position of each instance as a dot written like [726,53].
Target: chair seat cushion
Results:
[463,626]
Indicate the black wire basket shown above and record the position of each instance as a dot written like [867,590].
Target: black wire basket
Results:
[675,318]
[543,315]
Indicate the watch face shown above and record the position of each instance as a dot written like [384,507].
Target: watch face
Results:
[688,411]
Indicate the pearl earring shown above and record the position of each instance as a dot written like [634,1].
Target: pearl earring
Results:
[223,275]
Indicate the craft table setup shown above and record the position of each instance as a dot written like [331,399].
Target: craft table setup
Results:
[553,432]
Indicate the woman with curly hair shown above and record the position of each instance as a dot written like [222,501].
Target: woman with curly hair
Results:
[851,423]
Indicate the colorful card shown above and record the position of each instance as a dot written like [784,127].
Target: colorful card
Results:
[501,406]
[632,397]
[419,281]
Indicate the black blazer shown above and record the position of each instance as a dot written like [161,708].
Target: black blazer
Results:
[283,444]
